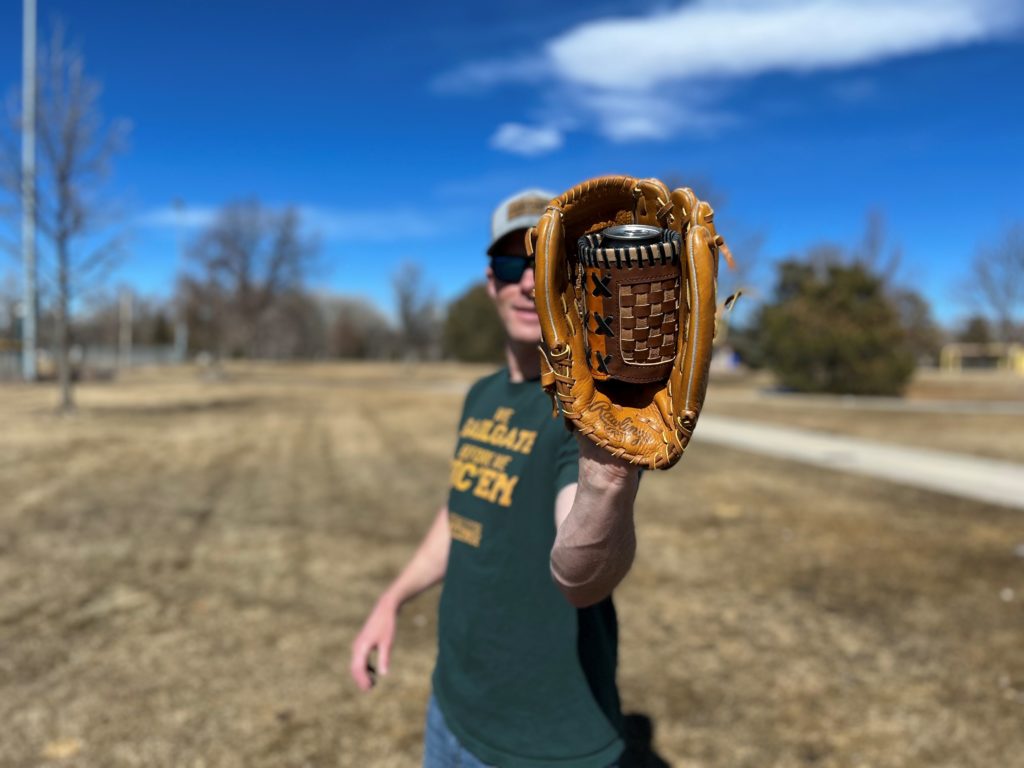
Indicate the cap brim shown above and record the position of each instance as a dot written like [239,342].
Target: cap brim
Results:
[520,224]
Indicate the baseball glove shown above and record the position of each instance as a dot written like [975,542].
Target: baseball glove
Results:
[626,279]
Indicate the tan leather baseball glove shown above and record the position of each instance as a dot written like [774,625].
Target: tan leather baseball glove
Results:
[626,280]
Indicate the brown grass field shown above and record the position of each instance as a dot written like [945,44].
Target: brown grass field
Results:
[185,561]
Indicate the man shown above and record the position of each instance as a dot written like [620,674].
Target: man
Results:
[537,532]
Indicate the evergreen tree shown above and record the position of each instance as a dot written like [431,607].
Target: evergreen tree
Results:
[832,328]
[472,331]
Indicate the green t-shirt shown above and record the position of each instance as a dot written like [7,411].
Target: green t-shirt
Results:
[523,678]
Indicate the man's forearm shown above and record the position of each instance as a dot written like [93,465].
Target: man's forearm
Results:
[426,567]
[595,544]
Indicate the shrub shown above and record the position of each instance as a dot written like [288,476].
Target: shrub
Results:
[472,331]
[832,328]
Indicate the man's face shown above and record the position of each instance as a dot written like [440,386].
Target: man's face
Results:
[514,300]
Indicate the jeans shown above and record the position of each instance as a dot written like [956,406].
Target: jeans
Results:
[441,748]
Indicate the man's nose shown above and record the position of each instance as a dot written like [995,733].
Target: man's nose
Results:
[527,281]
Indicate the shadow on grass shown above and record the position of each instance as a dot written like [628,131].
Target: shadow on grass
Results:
[639,751]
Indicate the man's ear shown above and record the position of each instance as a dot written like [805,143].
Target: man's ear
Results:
[492,288]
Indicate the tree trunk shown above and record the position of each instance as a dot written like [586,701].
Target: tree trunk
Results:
[67,403]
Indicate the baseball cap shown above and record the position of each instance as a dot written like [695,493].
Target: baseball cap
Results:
[520,211]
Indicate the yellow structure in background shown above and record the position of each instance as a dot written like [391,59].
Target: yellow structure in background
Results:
[996,355]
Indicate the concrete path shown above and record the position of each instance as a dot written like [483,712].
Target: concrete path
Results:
[897,404]
[972,477]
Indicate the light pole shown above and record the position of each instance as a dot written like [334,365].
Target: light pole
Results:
[180,323]
[28,189]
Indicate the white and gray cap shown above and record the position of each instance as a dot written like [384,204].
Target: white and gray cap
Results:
[520,211]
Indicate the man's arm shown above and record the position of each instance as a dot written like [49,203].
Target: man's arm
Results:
[595,542]
[425,569]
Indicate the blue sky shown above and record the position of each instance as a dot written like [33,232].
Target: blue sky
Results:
[801,116]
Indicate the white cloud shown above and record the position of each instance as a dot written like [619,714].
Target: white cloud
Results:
[370,225]
[716,39]
[651,77]
[638,115]
[170,217]
[526,140]
[481,75]
[329,223]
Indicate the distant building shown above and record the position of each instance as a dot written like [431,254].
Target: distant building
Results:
[999,356]
[724,359]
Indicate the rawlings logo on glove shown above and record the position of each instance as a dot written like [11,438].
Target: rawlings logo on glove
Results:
[626,281]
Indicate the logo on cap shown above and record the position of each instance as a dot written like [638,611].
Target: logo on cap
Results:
[527,206]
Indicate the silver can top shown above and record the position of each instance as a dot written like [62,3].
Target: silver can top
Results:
[626,235]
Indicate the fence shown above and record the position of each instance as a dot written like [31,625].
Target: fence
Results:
[92,361]
[10,365]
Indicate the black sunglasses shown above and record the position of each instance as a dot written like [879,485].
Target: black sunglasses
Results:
[510,269]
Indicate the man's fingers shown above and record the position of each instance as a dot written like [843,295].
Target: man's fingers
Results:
[360,666]
[359,675]
[377,634]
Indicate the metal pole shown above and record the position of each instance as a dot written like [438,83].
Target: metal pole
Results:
[180,323]
[124,341]
[28,189]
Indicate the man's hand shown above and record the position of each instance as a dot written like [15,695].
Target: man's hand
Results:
[378,633]
[424,570]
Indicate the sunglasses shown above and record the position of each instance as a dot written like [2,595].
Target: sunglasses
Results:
[510,269]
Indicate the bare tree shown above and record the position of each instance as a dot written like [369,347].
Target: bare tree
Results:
[924,336]
[975,330]
[873,252]
[99,320]
[243,291]
[10,297]
[996,282]
[357,329]
[418,314]
[76,148]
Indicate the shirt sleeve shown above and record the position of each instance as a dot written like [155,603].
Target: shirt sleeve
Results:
[568,462]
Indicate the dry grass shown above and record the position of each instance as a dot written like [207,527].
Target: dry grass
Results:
[185,562]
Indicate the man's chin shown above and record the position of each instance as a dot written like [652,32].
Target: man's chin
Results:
[529,335]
